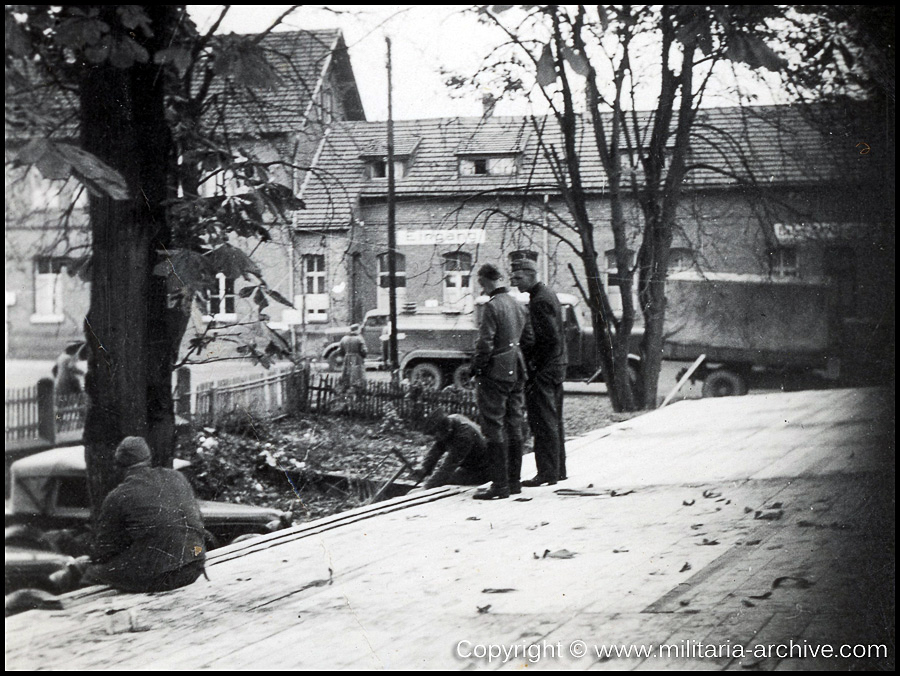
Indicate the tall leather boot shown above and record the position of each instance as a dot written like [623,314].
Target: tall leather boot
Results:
[499,472]
[515,466]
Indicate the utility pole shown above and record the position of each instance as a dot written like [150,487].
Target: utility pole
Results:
[391,225]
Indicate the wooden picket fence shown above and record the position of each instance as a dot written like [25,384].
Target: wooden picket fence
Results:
[324,394]
[36,415]
[22,420]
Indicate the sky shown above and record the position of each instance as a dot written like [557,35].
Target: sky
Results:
[424,39]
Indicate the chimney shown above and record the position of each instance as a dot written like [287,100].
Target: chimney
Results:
[487,105]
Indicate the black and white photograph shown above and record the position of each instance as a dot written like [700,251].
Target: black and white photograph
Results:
[450,337]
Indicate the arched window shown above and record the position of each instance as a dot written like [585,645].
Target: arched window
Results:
[384,279]
[220,299]
[458,281]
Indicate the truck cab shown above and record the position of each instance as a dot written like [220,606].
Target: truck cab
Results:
[435,349]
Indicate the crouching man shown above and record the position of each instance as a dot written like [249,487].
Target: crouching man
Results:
[150,533]
[463,448]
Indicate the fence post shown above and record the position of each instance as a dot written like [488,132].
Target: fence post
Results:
[183,393]
[46,410]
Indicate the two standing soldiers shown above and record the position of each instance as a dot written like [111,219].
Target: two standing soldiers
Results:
[510,348]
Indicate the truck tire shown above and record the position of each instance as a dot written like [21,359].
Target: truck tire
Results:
[724,383]
[427,375]
[335,360]
[462,377]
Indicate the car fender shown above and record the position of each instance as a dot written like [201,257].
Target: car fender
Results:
[438,356]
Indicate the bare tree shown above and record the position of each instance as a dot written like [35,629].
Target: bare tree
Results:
[616,57]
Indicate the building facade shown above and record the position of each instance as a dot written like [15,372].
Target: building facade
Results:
[47,236]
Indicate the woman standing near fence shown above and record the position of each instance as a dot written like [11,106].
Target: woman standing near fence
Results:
[353,347]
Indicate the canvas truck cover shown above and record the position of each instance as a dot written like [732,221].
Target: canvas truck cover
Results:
[746,317]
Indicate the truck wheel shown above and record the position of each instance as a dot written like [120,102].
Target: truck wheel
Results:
[462,377]
[335,361]
[724,383]
[427,375]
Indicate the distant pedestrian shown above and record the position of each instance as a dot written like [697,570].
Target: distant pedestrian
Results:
[499,368]
[546,358]
[459,453]
[68,374]
[353,347]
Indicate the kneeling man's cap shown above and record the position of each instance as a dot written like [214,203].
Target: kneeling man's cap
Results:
[132,451]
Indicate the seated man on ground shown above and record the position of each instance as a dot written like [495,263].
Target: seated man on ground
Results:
[150,533]
[463,448]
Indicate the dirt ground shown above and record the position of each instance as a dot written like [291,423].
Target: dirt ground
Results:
[280,464]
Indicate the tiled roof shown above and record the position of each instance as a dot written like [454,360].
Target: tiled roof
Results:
[774,143]
[299,59]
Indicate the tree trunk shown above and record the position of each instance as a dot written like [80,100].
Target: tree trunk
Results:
[130,362]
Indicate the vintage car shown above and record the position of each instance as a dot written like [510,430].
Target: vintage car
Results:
[49,497]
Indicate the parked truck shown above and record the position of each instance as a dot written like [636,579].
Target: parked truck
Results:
[435,349]
[749,324]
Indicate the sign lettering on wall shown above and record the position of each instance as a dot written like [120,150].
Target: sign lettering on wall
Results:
[433,237]
[788,233]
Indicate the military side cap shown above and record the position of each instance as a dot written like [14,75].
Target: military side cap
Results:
[489,271]
[132,451]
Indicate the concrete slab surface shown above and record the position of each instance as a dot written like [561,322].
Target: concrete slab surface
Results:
[741,533]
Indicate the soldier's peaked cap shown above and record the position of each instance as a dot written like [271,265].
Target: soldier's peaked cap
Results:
[524,264]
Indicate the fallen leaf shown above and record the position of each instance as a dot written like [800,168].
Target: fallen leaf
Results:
[775,505]
[683,603]
[711,494]
[473,518]
[620,551]
[613,494]
[523,499]
[560,554]
[688,503]
[748,604]
[696,526]
[708,542]
[769,516]
[790,581]
[491,590]
[751,543]
[761,597]
[686,567]
[483,609]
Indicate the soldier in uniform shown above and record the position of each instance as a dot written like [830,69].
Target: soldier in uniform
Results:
[150,534]
[463,448]
[499,368]
[353,347]
[546,358]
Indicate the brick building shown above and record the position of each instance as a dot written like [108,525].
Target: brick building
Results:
[770,196]
[46,228]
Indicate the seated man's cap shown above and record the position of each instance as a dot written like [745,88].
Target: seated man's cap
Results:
[489,271]
[132,451]
[354,328]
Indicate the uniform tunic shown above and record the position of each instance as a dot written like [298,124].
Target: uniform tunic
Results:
[546,356]
[150,533]
[464,452]
[353,347]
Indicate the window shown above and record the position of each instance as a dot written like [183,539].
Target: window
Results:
[488,166]
[48,290]
[378,168]
[220,299]
[315,299]
[458,281]
[384,280]
[680,259]
[783,262]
